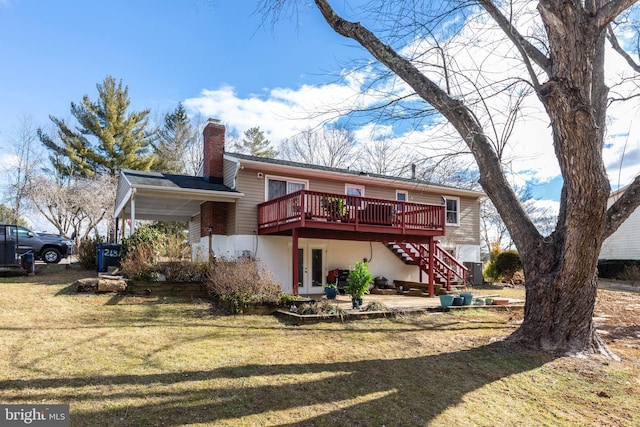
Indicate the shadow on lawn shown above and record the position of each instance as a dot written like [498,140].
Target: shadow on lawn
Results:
[408,391]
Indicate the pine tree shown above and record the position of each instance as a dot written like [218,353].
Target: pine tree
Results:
[173,139]
[255,143]
[106,139]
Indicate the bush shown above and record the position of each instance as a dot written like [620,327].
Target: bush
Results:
[87,256]
[138,264]
[149,254]
[241,282]
[506,263]
[151,237]
[618,269]
[631,272]
[490,267]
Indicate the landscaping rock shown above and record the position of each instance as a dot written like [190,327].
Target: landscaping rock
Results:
[86,285]
[112,285]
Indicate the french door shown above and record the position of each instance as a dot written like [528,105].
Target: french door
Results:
[311,268]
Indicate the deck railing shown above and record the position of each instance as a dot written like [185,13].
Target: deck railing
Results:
[306,206]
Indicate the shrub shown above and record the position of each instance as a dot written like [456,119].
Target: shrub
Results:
[87,256]
[506,263]
[241,282]
[143,254]
[138,264]
[490,267]
[631,272]
[617,269]
[323,309]
[147,235]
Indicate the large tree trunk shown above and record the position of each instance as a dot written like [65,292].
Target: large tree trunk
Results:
[560,270]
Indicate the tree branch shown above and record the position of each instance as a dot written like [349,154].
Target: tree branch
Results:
[523,231]
[610,10]
[526,49]
[616,47]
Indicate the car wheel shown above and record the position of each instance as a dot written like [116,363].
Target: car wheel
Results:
[51,256]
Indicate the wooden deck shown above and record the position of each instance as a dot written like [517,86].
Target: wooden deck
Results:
[349,215]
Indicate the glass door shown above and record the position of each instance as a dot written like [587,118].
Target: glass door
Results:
[310,270]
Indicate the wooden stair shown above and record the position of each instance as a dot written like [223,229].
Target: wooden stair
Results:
[447,271]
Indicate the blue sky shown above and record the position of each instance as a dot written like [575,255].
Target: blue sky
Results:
[54,52]
[215,57]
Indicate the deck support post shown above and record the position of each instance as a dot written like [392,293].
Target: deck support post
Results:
[294,260]
[432,249]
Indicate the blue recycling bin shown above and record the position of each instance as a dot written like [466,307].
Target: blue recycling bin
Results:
[107,255]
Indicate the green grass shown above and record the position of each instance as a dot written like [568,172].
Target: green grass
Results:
[147,361]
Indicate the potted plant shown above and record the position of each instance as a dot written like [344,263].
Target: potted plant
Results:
[336,208]
[331,290]
[358,283]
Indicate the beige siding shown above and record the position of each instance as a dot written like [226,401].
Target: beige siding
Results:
[251,182]
[194,229]
[229,173]
[245,217]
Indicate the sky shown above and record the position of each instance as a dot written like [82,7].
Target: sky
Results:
[219,61]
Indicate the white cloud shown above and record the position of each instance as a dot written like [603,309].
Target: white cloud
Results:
[530,155]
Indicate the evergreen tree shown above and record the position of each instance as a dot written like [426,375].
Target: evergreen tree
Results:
[174,137]
[8,216]
[106,139]
[255,143]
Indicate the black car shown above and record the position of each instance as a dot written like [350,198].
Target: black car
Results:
[48,247]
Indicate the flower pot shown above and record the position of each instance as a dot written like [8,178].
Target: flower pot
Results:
[458,301]
[446,300]
[467,298]
[488,301]
[331,293]
[356,302]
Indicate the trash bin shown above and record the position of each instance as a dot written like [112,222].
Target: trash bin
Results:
[107,255]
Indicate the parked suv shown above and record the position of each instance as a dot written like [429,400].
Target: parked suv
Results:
[48,247]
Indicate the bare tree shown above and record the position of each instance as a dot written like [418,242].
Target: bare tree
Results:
[385,156]
[331,146]
[25,162]
[77,207]
[561,58]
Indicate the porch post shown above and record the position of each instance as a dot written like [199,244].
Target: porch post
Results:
[132,226]
[294,260]
[432,249]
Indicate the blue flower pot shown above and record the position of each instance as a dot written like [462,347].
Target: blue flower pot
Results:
[446,300]
[458,301]
[468,298]
[331,293]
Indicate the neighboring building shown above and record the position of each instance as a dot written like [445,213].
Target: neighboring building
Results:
[624,244]
[303,221]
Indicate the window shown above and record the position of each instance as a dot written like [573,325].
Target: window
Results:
[353,190]
[453,211]
[22,232]
[278,187]
[401,196]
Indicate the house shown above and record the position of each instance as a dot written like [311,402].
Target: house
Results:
[623,246]
[304,221]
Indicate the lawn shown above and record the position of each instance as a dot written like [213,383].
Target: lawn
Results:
[160,362]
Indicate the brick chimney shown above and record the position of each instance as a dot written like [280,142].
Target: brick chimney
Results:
[213,136]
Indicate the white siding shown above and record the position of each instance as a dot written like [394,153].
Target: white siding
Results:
[625,242]
[275,254]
